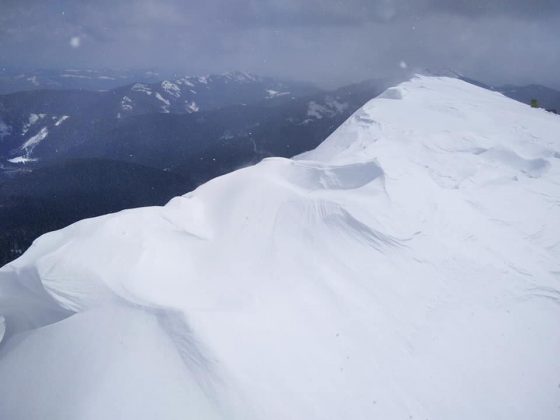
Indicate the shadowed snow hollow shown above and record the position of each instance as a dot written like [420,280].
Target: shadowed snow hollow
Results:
[408,268]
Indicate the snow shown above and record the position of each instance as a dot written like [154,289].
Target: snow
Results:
[2,328]
[75,76]
[185,81]
[33,141]
[336,106]
[61,120]
[171,88]
[191,106]
[141,87]
[21,159]
[406,268]
[315,110]
[271,93]
[166,103]
[330,108]
[126,103]
[111,384]
[33,118]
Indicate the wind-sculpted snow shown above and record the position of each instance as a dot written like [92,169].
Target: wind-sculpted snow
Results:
[408,268]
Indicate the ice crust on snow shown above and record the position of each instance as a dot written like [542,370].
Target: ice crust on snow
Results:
[406,268]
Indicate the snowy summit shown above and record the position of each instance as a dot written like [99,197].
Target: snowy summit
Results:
[407,268]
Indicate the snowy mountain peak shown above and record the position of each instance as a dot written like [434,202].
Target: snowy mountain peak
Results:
[443,115]
[406,268]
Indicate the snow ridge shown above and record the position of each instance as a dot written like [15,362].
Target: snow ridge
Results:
[406,268]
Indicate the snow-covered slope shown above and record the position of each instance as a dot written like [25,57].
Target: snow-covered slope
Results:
[408,268]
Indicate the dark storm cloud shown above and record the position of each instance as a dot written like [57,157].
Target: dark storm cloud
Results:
[328,41]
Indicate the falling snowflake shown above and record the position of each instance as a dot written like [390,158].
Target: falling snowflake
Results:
[75,41]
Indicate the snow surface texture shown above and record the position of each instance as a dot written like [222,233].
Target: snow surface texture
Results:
[408,268]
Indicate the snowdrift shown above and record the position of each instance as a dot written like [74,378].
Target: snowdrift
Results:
[408,268]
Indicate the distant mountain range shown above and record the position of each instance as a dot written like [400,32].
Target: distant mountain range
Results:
[145,124]
[546,97]
[15,80]
[70,154]
[48,123]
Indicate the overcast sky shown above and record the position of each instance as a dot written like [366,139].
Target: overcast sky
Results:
[330,42]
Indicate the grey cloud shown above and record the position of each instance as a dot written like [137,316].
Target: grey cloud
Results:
[327,41]
[526,9]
